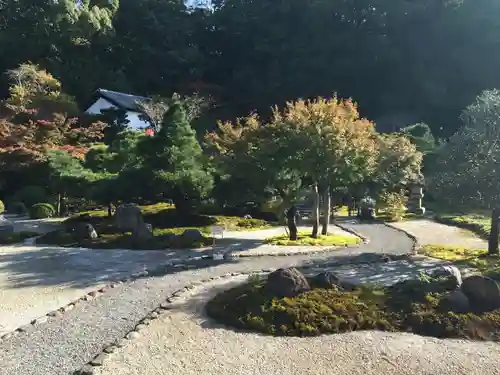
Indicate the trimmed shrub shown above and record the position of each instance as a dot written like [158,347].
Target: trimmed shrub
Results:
[42,211]
[31,195]
[17,208]
[2,207]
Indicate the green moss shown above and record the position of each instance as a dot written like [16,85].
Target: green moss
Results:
[165,222]
[305,239]
[473,258]
[410,306]
[17,237]
[479,223]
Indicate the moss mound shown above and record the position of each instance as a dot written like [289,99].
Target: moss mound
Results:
[305,239]
[409,306]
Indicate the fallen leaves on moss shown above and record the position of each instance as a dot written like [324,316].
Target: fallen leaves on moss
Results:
[305,239]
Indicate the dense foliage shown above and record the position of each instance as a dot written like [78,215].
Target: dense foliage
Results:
[405,62]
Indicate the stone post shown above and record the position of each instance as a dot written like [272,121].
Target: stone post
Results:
[495,231]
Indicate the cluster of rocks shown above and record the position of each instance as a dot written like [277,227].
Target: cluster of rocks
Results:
[476,293]
[289,282]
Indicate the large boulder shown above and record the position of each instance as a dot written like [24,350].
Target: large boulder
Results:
[456,302]
[483,292]
[286,282]
[128,217]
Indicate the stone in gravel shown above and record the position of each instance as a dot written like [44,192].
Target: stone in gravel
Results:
[140,327]
[483,292]
[26,328]
[326,280]
[86,370]
[166,306]
[99,360]
[154,315]
[69,307]
[121,343]
[286,282]
[40,320]
[456,302]
[54,314]
[133,335]
[110,349]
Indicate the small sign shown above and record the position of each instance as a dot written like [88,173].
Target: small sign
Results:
[217,231]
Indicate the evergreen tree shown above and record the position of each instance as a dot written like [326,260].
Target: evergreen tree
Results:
[176,160]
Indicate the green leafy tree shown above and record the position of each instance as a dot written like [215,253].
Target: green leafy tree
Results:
[466,171]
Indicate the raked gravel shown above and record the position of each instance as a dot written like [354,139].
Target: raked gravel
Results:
[184,342]
[65,343]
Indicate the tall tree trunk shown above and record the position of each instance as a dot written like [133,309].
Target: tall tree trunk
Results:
[315,211]
[58,204]
[327,198]
[291,221]
[110,209]
[494,232]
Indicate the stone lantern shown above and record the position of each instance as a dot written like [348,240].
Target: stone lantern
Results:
[415,199]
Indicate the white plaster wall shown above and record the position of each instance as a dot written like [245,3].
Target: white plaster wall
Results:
[133,117]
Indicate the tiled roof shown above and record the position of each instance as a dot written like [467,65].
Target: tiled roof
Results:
[122,100]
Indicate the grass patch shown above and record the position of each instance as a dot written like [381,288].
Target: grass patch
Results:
[478,223]
[167,225]
[479,259]
[17,237]
[409,306]
[305,239]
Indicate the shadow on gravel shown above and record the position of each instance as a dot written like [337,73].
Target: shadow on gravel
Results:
[87,267]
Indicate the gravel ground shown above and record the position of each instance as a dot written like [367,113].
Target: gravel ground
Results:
[64,344]
[184,342]
[35,280]
[429,232]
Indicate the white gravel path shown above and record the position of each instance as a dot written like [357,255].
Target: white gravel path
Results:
[430,232]
[185,342]
[35,280]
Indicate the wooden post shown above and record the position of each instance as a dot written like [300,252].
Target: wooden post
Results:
[495,231]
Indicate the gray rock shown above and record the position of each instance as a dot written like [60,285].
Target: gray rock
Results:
[99,360]
[247,216]
[192,234]
[6,228]
[449,271]
[142,232]
[86,370]
[455,301]
[85,231]
[483,293]
[286,282]
[326,280]
[128,217]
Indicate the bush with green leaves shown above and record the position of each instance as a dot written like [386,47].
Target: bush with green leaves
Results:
[2,207]
[30,195]
[42,211]
[18,208]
